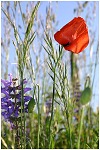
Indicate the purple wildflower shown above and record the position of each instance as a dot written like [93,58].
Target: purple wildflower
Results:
[11,101]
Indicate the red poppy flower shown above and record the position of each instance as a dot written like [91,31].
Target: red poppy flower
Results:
[73,36]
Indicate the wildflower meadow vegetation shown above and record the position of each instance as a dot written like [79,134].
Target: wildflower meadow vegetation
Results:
[49,75]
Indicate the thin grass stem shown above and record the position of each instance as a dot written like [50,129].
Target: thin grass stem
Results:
[38,142]
[52,110]
[80,128]
[22,115]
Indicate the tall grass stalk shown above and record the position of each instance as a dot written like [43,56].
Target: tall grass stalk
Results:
[52,108]
[69,126]
[67,105]
[80,128]
[23,135]
[38,141]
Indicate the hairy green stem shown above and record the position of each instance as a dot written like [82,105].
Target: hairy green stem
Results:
[21,119]
[22,115]
[80,128]
[17,135]
[38,120]
[69,129]
[52,111]
[68,121]
[70,125]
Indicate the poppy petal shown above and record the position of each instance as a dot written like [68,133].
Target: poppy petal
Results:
[73,36]
[79,44]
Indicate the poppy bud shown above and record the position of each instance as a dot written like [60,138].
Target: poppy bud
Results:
[73,36]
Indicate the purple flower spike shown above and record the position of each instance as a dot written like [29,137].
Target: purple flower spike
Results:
[11,101]
[26,89]
[27,98]
[6,83]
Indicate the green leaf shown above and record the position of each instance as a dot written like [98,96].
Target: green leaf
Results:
[86,96]
[31,105]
